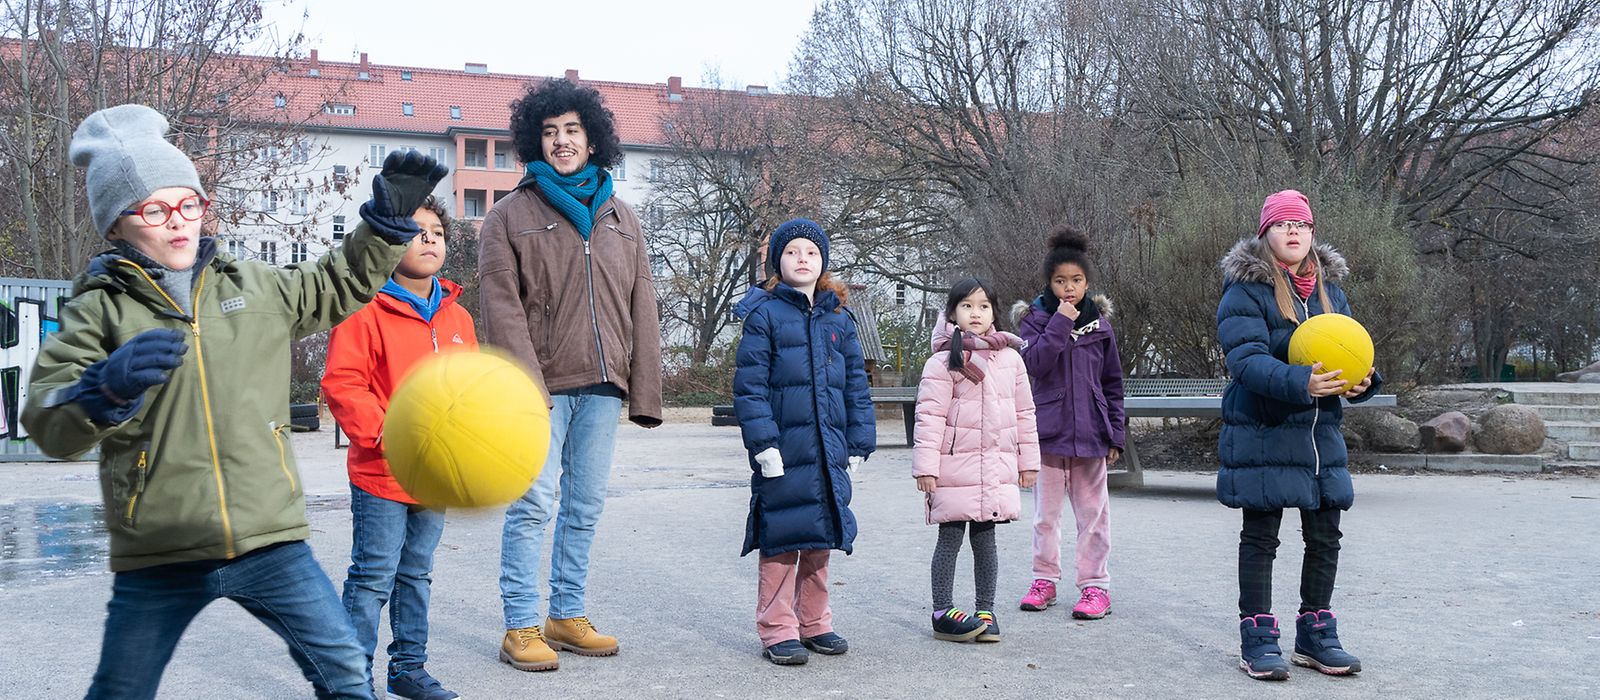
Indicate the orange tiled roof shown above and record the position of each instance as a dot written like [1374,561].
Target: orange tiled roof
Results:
[484,99]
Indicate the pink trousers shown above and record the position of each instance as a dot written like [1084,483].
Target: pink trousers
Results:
[792,597]
[1081,480]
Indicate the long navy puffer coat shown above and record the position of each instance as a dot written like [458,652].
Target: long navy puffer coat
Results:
[1279,448]
[801,386]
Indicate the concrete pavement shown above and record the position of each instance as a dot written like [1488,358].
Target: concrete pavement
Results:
[1450,586]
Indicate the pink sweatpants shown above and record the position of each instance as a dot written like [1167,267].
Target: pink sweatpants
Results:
[1083,481]
[792,597]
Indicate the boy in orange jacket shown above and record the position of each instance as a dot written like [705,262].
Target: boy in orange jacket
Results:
[413,318]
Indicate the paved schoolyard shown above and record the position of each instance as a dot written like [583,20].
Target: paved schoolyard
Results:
[1450,586]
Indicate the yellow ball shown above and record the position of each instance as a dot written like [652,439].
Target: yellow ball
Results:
[1335,340]
[465,430]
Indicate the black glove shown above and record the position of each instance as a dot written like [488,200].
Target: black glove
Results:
[405,182]
[112,390]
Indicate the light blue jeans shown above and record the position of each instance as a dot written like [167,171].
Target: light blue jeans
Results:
[583,433]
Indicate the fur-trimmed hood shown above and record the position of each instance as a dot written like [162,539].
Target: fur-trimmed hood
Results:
[1019,310]
[1243,263]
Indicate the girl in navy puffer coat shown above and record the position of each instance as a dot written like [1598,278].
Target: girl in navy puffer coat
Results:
[1280,445]
[800,393]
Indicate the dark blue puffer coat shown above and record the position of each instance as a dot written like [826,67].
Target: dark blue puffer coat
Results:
[801,386]
[1279,448]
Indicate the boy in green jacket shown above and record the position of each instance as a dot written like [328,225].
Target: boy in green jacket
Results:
[174,359]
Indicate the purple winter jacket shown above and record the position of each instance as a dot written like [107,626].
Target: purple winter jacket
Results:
[1077,381]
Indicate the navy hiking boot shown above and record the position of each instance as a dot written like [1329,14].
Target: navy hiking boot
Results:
[1259,655]
[1316,645]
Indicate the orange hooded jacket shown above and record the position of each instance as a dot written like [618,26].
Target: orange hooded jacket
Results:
[368,355]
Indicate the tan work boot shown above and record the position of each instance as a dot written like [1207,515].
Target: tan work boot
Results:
[578,636]
[526,650]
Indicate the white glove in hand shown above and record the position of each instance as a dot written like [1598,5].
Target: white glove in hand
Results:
[771,462]
[850,467]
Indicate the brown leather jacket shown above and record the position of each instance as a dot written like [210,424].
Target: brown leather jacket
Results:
[576,312]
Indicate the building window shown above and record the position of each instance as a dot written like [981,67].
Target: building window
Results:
[501,194]
[363,75]
[236,249]
[899,293]
[655,169]
[280,102]
[338,227]
[405,75]
[655,217]
[195,143]
[472,204]
[299,253]
[222,99]
[314,72]
[269,252]
[343,110]
[439,155]
[619,170]
[502,159]
[407,109]
[269,202]
[300,152]
[477,154]
[455,112]
[376,155]
[302,203]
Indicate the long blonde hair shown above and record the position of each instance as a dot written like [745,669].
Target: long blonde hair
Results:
[824,283]
[1280,284]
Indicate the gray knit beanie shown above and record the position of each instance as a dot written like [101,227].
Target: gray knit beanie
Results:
[126,155]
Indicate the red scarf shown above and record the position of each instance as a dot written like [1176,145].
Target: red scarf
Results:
[1303,285]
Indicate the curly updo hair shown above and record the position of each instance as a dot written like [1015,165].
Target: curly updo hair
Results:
[1066,245]
[553,98]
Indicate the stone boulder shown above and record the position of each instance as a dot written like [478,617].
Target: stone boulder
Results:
[1382,431]
[1510,430]
[1588,375]
[1447,432]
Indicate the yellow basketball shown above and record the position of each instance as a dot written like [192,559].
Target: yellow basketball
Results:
[466,429]
[1335,340]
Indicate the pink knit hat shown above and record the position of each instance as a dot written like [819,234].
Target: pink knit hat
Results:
[1288,205]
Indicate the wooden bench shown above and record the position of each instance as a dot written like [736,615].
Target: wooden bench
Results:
[1142,398]
[1179,398]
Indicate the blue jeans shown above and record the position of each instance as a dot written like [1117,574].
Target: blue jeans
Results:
[583,431]
[391,561]
[281,585]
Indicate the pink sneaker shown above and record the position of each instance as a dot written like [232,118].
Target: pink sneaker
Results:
[1041,595]
[1095,604]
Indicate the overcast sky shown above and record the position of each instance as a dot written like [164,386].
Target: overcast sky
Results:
[645,41]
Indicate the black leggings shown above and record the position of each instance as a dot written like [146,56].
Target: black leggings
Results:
[985,564]
[1258,546]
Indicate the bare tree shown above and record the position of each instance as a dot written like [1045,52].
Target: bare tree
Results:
[185,58]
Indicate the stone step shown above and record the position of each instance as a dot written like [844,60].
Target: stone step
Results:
[1583,451]
[1460,462]
[1536,397]
[1573,431]
[1567,413]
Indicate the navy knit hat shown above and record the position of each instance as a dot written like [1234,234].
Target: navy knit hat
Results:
[790,230]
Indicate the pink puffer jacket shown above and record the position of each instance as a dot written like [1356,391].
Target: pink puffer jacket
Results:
[975,437]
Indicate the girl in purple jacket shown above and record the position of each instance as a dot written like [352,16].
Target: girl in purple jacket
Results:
[1077,388]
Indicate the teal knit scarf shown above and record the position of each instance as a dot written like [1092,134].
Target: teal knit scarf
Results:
[567,192]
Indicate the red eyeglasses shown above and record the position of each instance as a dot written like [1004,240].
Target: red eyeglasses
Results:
[155,213]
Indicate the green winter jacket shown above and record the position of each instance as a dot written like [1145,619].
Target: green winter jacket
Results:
[204,469]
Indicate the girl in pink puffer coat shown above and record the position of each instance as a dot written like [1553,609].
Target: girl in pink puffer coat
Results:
[975,442]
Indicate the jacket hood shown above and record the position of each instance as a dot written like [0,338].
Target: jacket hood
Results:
[1019,310]
[107,271]
[1243,263]
[449,293]
[757,296]
[993,340]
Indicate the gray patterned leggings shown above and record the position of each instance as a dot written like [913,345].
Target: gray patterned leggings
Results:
[985,564]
